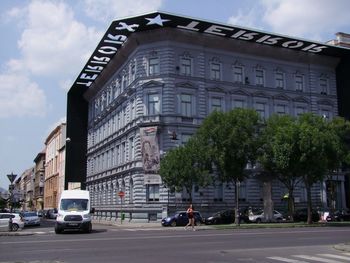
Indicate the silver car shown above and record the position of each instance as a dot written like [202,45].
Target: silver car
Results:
[30,218]
[17,221]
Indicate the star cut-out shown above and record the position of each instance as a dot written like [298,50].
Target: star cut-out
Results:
[156,21]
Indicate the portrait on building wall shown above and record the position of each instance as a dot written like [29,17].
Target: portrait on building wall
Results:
[150,149]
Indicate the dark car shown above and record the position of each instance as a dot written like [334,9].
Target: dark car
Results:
[342,215]
[226,217]
[51,213]
[300,215]
[181,219]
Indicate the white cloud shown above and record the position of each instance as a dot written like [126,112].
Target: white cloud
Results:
[53,42]
[20,97]
[247,18]
[109,10]
[312,19]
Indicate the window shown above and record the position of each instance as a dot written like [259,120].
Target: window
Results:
[279,80]
[323,86]
[186,105]
[299,110]
[242,191]
[215,69]
[131,149]
[152,192]
[185,138]
[153,66]
[259,77]
[218,193]
[260,108]
[281,109]
[133,71]
[186,66]
[132,109]
[238,104]
[153,104]
[216,104]
[299,83]
[238,74]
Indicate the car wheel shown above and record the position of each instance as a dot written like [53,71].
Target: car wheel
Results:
[173,223]
[258,220]
[14,227]
[58,230]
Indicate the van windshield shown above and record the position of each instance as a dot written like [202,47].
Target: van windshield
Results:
[74,204]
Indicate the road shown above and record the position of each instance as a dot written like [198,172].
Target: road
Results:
[111,244]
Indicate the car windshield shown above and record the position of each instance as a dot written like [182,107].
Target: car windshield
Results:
[29,214]
[74,204]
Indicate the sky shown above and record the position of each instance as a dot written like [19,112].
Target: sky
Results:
[45,44]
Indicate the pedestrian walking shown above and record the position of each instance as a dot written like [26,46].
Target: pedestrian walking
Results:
[190,216]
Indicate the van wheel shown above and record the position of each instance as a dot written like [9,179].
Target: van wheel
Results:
[14,227]
[88,228]
[173,223]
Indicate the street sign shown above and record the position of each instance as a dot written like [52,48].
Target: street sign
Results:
[121,194]
[12,177]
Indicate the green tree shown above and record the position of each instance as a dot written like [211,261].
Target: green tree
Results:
[279,154]
[339,159]
[318,144]
[231,140]
[184,167]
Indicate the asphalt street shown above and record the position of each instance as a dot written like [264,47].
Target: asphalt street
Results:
[157,244]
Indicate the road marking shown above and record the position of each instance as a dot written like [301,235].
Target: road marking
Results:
[334,256]
[287,260]
[318,259]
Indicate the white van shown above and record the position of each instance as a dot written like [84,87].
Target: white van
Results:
[74,211]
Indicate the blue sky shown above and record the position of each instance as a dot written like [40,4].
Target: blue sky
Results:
[45,44]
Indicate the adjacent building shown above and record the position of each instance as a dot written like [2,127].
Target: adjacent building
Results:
[154,78]
[54,166]
[39,180]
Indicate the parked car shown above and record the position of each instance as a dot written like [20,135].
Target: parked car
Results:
[30,218]
[300,215]
[41,213]
[342,215]
[258,216]
[227,217]
[17,221]
[51,213]
[181,219]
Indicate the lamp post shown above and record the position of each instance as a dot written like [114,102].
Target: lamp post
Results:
[12,178]
[237,184]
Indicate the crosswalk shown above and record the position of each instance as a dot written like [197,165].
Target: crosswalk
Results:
[327,258]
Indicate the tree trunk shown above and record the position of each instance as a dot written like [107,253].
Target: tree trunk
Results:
[268,203]
[309,203]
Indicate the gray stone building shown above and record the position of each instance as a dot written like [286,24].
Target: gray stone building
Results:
[150,83]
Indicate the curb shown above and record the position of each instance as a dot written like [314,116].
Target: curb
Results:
[342,247]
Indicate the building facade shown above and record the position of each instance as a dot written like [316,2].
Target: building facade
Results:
[160,84]
[54,177]
[39,180]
